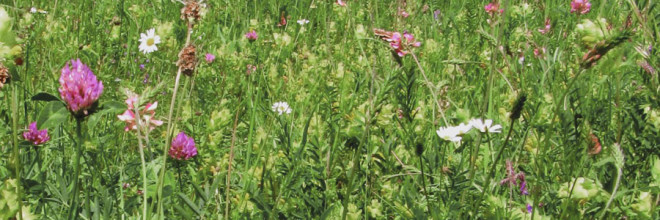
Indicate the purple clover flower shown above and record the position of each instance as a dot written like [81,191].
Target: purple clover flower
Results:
[78,87]
[183,147]
[252,35]
[210,58]
[35,136]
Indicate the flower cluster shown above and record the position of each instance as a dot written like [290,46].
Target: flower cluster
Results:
[580,6]
[399,45]
[210,58]
[455,133]
[35,136]
[547,27]
[252,35]
[147,115]
[79,87]
[183,147]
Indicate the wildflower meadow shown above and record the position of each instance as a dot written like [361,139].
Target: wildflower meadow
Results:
[329,109]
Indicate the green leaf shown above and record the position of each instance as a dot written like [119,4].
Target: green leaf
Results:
[53,114]
[190,203]
[46,97]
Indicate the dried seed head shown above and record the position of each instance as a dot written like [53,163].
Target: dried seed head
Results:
[190,12]
[187,60]
[4,75]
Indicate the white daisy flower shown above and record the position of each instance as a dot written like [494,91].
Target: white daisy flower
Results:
[281,107]
[486,126]
[303,21]
[449,134]
[148,41]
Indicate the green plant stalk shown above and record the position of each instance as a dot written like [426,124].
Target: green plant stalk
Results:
[144,166]
[231,158]
[17,158]
[74,199]
[616,187]
[170,127]
[426,193]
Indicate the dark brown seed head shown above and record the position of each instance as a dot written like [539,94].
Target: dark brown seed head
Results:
[190,12]
[187,60]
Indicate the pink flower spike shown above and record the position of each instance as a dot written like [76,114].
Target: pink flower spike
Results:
[183,147]
[580,6]
[210,58]
[341,3]
[493,7]
[35,136]
[79,88]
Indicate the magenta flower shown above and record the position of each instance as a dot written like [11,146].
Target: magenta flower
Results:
[210,58]
[252,35]
[183,147]
[35,136]
[341,3]
[493,7]
[580,6]
[513,178]
[529,209]
[399,45]
[79,87]
[147,115]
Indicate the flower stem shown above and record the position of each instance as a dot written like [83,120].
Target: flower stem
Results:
[231,158]
[170,127]
[17,158]
[74,199]
[144,166]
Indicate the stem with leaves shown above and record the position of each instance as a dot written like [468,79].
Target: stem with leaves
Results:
[144,166]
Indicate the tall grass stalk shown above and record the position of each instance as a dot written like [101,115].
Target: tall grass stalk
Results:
[16,149]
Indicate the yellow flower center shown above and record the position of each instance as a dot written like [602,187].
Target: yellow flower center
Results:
[150,42]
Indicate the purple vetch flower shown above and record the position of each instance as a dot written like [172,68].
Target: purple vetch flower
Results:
[35,136]
[529,208]
[183,147]
[78,87]
[142,66]
[523,188]
[146,78]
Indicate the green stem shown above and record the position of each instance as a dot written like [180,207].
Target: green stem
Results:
[170,126]
[17,159]
[144,166]
[616,187]
[74,199]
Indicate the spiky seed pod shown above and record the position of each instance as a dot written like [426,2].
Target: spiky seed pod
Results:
[187,60]
[419,149]
[4,75]
[190,12]
[518,107]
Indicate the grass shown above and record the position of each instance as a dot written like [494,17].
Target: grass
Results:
[360,141]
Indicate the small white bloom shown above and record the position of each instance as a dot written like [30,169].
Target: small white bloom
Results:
[33,10]
[463,128]
[148,41]
[449,134]
[303,21]
[281,107]
[486,126]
